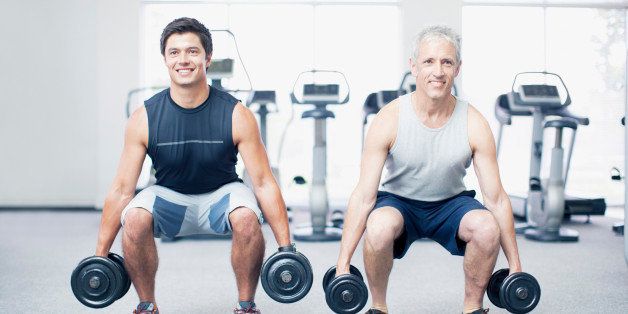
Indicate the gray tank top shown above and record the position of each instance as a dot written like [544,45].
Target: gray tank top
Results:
[428,164]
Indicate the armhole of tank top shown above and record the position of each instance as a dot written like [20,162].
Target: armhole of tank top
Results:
[230,128]
[396,139]
[467,117]
[150,146]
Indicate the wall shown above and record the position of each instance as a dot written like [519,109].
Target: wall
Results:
[66,68]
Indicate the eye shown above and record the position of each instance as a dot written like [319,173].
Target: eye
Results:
[173,52]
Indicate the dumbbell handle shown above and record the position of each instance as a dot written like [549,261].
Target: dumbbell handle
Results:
[288,248]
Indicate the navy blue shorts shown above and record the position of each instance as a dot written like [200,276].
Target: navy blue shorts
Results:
[438,220]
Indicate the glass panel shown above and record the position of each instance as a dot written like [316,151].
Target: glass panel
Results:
[497,43]
[587,48]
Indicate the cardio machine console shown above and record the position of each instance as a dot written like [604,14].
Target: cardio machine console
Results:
[539,96]
[321,93]
[263,97]
[220,69]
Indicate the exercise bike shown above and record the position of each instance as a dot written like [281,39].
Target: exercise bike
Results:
[319,96]
[546,203]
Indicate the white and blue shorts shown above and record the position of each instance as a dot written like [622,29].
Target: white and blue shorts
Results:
[176,214]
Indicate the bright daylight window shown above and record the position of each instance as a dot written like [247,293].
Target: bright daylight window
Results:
[586,46]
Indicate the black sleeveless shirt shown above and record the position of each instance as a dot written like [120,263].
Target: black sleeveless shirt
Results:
[192,149]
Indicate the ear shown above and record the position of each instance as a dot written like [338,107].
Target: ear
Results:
[413,67]
[208,59]
[458,69]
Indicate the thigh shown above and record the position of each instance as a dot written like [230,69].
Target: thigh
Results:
[442,224]
[215,207]
[402,219]
[172,211]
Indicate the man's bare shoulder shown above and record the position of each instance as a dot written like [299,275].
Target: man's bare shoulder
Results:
[476,118]
[389,112]
[137,126]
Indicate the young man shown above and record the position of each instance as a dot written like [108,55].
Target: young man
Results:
[192,133]
[426,140]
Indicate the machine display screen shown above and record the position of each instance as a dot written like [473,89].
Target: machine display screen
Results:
[264,96]
[220,68]
[321,90]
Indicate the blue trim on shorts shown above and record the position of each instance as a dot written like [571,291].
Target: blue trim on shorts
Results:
[167,217]
[218,220]
[437,220]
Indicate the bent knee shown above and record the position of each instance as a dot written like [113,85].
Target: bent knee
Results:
[244,221]
[383,227]
[482,227]
[137,222]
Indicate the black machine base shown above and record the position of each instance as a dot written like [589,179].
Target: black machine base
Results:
[544,235]
[307,233]
[619,228]
[573,206]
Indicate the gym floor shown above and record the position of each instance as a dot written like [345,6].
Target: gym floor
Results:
[41,248]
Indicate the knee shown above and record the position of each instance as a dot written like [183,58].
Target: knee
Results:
[380,232]
[485,230]
[244,222]
[138,223]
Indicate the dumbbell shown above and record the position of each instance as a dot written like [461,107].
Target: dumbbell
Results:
[287,275]
[517,293]
[99,281]
[345,294]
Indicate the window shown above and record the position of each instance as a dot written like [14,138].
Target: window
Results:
[586,46]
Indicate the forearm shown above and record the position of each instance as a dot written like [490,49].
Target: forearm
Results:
[110,221]
[274,209]
[502,211]
[354,225]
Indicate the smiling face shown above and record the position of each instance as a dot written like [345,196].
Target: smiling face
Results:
[435,68]
[186,59]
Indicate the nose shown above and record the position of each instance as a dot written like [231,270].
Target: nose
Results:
[183,57]
[438,71]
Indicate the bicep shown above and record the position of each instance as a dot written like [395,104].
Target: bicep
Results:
[485,159]
[376,147]
[133,153]
[248,141]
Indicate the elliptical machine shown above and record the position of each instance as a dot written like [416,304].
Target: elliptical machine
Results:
[546,203]
[320,96]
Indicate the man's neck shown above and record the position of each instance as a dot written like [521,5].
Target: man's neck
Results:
[189,97]
[432,107]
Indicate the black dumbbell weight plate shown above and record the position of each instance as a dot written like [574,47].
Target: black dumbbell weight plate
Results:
[494,285]
[520,293]
[96,282]
[331,273]
[346,294]
[287,276]
[126,280]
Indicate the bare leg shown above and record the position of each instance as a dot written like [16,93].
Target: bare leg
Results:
[480,231]
[247,251]
[383,226]
[140,252]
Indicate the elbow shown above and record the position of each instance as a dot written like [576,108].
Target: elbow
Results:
[499,203]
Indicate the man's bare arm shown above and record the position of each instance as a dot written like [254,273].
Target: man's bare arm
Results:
[247,138]
[495,197]
[379,140]
[123,188]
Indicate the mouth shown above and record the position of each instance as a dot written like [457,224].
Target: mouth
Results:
[185,71]
[437,83]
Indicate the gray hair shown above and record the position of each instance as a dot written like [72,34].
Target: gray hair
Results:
[436,32]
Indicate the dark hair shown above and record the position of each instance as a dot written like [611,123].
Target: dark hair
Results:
[187,25]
